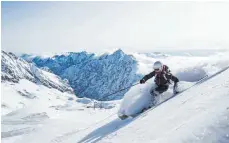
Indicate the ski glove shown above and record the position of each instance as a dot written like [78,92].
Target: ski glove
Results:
[142,81]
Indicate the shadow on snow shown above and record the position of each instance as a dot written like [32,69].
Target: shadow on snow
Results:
[105,130]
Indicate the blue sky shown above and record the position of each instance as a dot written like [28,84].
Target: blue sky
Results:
[52,27]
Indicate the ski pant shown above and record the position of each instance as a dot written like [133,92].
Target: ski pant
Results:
[159,89]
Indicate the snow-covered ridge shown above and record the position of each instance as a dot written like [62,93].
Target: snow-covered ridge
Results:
[95,76]
[14,69]
[48,115]
[90,75]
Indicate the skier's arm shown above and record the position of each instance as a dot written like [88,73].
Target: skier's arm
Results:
[176,80]
[146,77]
[167,70]
[173,78]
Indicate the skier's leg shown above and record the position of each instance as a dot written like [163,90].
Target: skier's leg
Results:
[158,91]
[152,90]
[162,88]
[175,89]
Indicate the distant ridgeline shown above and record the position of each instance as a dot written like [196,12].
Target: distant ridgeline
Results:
[14,68]
[90,75]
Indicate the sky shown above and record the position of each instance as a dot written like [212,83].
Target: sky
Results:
[53,27]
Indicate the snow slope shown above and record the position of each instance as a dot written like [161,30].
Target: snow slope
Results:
[139,98]
[200,114]
[35,103]
[14,69]
[36,113]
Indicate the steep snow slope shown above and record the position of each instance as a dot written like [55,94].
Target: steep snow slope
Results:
[139,98]
[200,114]
[14,69]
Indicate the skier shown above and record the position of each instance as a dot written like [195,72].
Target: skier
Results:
[162,79]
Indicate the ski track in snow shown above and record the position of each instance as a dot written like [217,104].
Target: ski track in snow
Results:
[97,131]
[17,132]
[52,118]
[31,120]
[108,131]
[30,123]
[110,128]
[201,109]
[74,132]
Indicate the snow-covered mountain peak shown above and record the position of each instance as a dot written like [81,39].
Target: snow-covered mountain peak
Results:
[119,52]
[14,68]
[93,76]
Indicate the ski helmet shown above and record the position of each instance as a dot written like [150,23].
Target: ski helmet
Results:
[157,66]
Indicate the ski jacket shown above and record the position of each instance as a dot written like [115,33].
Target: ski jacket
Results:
[161,78]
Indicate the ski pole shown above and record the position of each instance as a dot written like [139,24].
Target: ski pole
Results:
[115,92]
[118,91]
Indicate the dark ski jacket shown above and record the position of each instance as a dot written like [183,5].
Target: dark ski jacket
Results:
[163,77]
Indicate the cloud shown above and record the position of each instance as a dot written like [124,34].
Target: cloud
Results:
[45,27]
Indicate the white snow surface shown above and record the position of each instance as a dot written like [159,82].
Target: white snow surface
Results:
[14,69]
[200,114]
[36,113]
[139,97]
[33,113]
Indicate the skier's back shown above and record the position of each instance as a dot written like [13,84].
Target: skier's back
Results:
[162,78]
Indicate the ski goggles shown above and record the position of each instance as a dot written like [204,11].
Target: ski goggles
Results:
[157,70]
